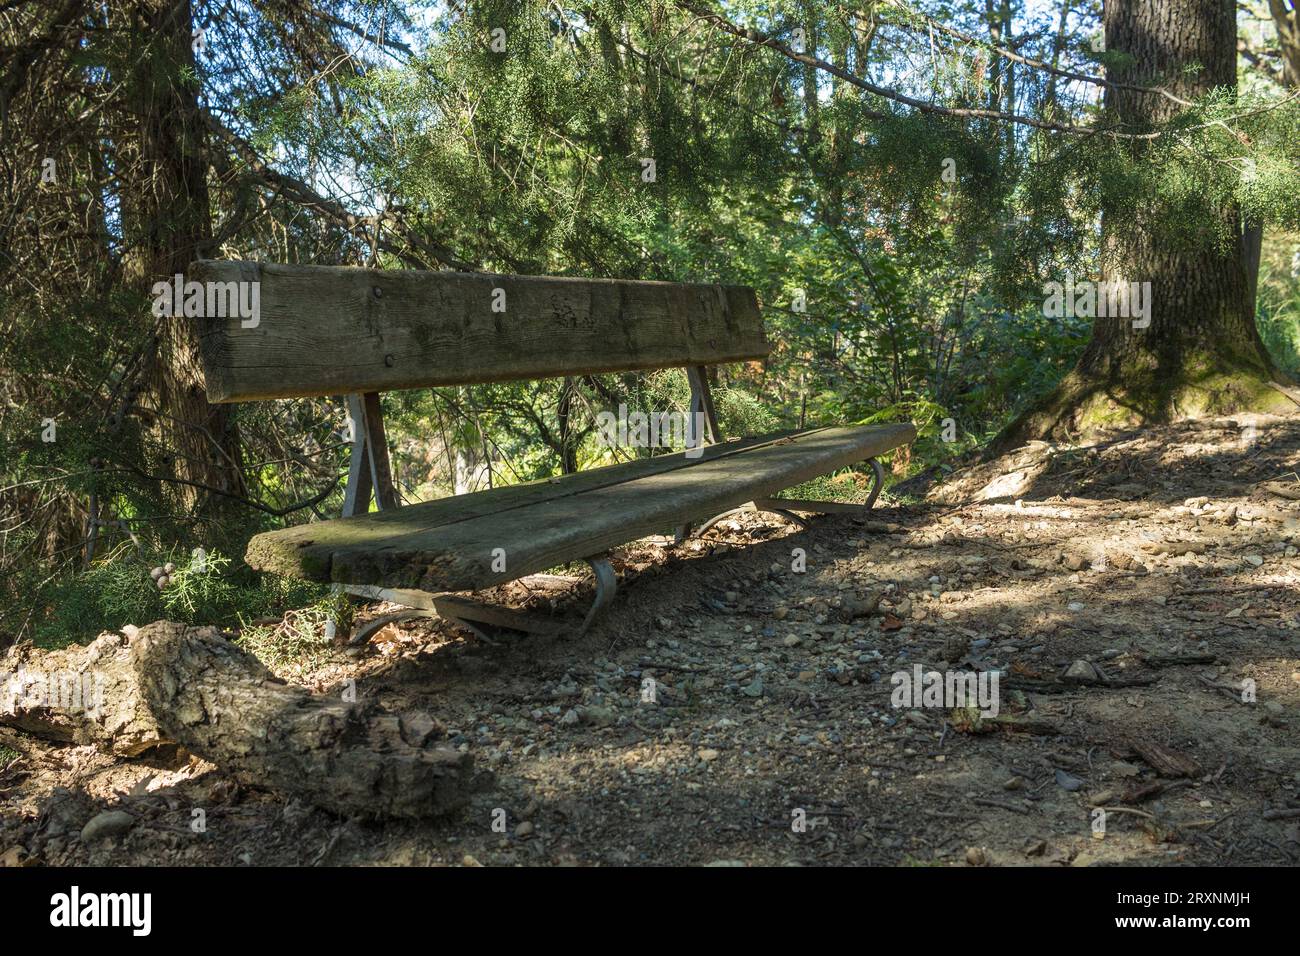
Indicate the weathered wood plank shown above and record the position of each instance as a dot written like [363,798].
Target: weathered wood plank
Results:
[325,330]
[299,551]
[398,549]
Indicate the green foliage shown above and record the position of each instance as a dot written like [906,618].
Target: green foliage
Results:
[888,292]
[119,591]
[1278,299]
[298,642]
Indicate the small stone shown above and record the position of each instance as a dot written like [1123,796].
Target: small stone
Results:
[103,826]
[1080,670]
[1254,560]
[1067,781]
[524,829]
[792,641]
[707,755]
[753,690]
[976,856]
[781,612]
[598,716]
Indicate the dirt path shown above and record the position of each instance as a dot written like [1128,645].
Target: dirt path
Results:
[1158,569]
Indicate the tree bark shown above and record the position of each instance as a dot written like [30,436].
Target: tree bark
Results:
[169,684]
[1286,18]
[165,205]
[1201,353]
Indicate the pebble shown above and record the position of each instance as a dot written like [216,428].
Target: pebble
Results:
[110,823]
[1067,781]
[1080,670]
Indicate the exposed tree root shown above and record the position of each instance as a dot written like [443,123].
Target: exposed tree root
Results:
[1082,406]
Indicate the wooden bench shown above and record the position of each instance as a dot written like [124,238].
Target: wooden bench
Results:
[357,332]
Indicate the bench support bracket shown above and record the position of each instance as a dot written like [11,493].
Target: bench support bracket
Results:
[785,507]
[473,614]
[606,585]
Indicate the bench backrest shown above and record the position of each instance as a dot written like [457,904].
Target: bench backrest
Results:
[325,330]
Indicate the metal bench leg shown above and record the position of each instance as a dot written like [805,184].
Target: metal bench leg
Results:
[783,506]
[365,631]
[606,585]
[878,473]
[751,506]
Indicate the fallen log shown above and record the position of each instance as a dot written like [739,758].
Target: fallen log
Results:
[80,695]
[189,686]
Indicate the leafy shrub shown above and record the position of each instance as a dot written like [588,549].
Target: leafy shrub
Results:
[201,590]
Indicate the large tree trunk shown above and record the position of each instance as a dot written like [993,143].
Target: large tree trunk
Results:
[1286,18]
[1201,353]
[165,205]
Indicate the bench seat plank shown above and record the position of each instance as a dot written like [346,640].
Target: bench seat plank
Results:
[448,544]
[290,550]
